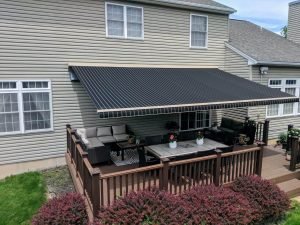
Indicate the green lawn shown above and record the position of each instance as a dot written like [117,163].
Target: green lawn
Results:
[20,198]
[293,216]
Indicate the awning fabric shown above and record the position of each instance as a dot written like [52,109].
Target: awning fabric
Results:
[129,92]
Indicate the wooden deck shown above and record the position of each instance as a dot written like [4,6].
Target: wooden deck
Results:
[274,163]
[102,184]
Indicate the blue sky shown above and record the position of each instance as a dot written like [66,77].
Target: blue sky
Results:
[271,14]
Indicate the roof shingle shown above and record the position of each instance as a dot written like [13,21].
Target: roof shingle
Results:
[261,44]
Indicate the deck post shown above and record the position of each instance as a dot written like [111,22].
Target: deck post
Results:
[77,142]
[96,192]
[266,132]
[294,152]
[289,140]
[217,170]
[259,160]
[68,126]
[164,178]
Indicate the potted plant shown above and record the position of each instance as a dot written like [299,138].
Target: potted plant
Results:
[173,140]
[200,138]
[131,138]
[282,138]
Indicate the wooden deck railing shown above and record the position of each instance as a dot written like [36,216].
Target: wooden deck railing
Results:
[176,177]
[262,132]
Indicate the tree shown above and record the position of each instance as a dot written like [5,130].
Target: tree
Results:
[284,31]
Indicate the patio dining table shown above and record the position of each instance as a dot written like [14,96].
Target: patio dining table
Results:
[183,148]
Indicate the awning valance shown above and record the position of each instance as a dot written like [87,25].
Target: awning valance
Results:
[129,92]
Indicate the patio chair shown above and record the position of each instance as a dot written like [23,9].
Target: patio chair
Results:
[226,161]
[207,173]
[146,159]
[187,136]
[206,153]
[153,140]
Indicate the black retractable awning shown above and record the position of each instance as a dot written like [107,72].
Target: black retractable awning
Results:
[127,92]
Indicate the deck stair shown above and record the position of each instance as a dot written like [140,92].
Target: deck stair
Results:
[276,169]
[291,187]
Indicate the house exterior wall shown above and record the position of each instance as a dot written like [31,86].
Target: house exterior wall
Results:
[279,124]
[237,65]
[39,38]
[294,23]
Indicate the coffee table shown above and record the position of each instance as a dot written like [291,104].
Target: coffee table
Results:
[125,145]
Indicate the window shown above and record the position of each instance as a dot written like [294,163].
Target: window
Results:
[275,82]
[123,21]
[9,109]
[198,31]
[272,110]
[290,86]
[194,120]
[25,106]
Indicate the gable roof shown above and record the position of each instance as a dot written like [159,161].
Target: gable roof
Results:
[261,46]
[203,5]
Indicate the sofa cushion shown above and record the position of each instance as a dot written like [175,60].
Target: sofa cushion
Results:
[91,132]
[121,129]
[107,139]
[81,132]
[226,123]
[94,142]
[104,131]
[121,137]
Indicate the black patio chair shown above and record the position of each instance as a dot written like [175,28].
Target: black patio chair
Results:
[187,136]
[206,153]
[226,162]
[153,140]
[226,149]
[146,159]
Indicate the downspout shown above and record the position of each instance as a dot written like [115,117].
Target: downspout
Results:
[250,73]
[250,78]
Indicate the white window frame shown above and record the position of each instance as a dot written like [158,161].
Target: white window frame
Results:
[20,90]
[282,87]
[125,21]
[195,129]
[15,91]
[206,39]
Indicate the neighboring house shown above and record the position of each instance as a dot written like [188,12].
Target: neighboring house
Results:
[293,33]
[262,56]
[39,40]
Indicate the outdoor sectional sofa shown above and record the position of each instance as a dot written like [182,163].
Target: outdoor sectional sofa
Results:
[98,141]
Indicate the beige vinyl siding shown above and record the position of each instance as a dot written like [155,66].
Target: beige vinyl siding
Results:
[237,65]
[39,38]
[277,125]
[294,23]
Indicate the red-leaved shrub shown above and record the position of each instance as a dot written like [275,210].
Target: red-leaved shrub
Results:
[68,209]
[264,196]
[149,207]
[212,205]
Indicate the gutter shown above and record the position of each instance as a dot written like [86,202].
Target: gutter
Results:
[189,5]
[254,62]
